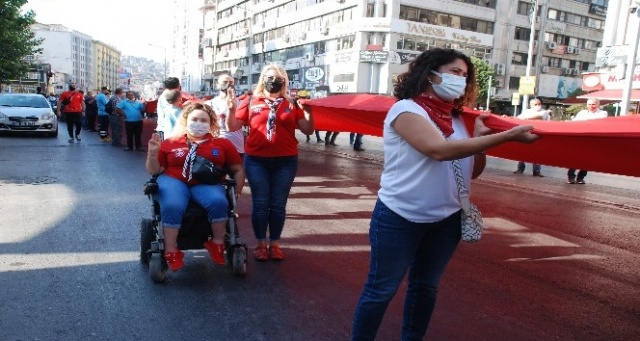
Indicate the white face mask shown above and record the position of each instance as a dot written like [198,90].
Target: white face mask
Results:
[451,87]
[197,129]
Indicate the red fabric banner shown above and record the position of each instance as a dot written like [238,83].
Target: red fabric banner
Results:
[610,145]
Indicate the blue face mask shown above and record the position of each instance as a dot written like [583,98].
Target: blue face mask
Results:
[451,87]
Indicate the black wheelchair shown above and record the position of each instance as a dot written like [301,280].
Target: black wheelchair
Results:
[194,231]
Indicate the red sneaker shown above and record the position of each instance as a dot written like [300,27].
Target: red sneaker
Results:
[261,254]
[275,252]
[174,260]
[216,251]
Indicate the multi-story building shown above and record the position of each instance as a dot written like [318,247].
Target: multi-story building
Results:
[186,52]
[106,65]
[70,54]
[612,59]
[209,36]
[360,46]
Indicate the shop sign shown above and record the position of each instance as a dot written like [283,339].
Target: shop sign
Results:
[402,57]
[314,74]
[374,56]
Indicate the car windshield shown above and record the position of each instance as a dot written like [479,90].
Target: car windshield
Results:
[17,100]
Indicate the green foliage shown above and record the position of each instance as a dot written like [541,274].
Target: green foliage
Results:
[17,41]
[483,72]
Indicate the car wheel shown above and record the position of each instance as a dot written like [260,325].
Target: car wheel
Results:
[54,133]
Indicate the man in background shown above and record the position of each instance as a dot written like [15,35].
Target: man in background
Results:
[115,118]
[91,111]
[220,105]
[171,83]
[103,117]
[74,109]
[592,112]
[535,112]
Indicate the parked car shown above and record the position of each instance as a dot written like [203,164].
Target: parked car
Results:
[27,113]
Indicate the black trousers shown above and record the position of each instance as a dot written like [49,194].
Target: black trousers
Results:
[74,119]
[134,133]
[90,119]
[572,174]
[103,122]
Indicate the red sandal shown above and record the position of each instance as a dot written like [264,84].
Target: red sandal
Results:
[216,252]
[275,252]
[174,260]
[260,253]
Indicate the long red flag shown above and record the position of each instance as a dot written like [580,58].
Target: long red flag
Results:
[610,145]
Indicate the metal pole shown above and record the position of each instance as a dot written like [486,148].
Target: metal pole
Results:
[250,53]
[165,63]
[534,13]
[488,93]
[631,66]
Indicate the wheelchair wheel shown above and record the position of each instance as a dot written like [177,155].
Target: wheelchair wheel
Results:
[147,235]
[157,268]
[239,261]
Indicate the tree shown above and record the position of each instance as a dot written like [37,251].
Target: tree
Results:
[483,72]
[17,41]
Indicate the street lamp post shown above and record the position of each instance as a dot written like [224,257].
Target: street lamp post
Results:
[631,64]
[532,18]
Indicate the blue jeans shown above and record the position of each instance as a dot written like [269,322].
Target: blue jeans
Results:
[270,180]
[398,245]
[174,196]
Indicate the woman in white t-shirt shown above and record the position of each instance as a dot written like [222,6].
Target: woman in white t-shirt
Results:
[415,225]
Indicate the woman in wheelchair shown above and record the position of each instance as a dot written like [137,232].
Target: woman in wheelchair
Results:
[197,134]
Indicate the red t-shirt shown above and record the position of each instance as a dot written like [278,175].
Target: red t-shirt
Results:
[76,101]
[173,153]
[284,142]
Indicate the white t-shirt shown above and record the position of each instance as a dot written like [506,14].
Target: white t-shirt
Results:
[416,187]
[219,105]
[162,119]
[585,115]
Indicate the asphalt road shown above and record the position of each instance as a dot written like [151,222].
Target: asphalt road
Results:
[557,262]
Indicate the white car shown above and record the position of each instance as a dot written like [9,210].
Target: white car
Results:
[27,113]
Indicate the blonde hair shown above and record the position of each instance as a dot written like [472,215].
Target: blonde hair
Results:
[280,71]
[214,128]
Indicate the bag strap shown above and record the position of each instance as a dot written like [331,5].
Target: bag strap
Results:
[463,192]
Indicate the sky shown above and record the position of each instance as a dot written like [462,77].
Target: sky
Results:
[128,25]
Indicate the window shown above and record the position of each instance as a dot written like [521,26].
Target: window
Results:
[554,62]
[370,9]
[519,58]
[522,34]
[524,8]
[514,82]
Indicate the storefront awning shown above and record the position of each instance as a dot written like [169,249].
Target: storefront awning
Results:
[613,95]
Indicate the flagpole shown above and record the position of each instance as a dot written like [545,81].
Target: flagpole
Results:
[532,18]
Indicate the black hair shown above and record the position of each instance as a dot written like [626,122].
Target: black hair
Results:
[416,80]
[172,83]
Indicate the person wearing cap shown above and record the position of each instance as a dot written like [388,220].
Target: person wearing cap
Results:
[103,118]
[592,112]
[170,83]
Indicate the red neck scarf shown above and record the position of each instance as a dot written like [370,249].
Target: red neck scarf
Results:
[439,111]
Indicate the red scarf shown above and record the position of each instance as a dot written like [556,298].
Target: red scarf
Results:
[439,111]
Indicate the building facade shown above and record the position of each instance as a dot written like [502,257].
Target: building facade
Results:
[360,46]
[70,54]
[106,65]
[186,53]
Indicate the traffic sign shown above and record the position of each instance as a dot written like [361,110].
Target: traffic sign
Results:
[527,85]
[515,99]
